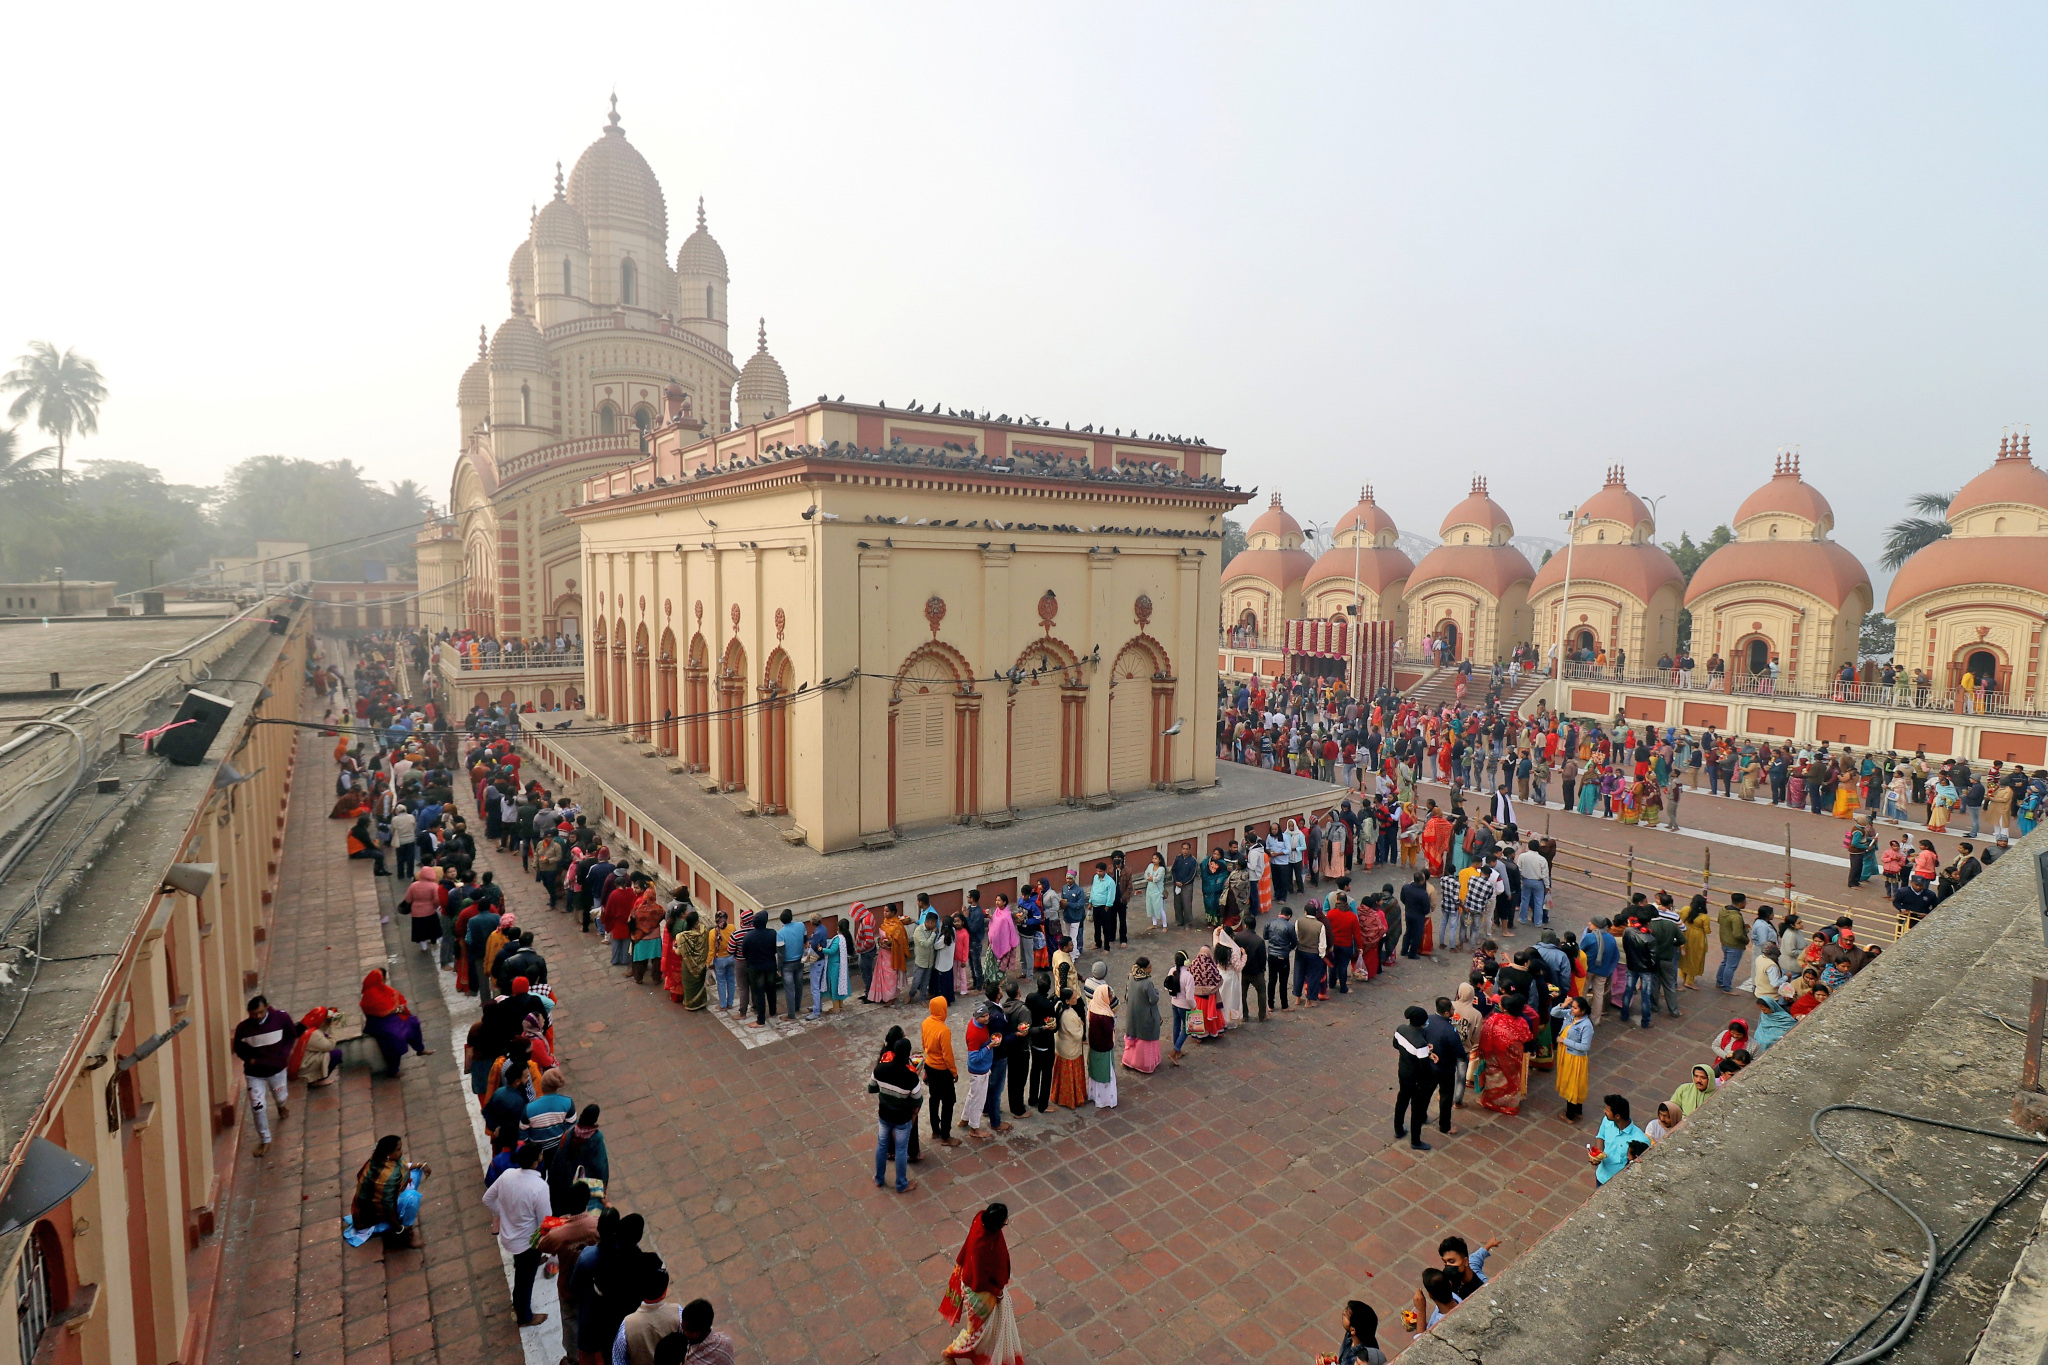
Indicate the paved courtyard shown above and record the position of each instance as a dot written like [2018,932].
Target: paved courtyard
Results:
[1222,1212]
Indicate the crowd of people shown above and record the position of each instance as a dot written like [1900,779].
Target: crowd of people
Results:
[549,1169]
[1287,918]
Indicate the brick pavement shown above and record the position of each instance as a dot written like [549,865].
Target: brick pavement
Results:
[294,1291]
[1222,1212]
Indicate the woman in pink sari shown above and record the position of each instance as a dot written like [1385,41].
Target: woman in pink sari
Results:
[1002,935]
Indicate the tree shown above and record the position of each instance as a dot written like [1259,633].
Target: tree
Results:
[1908,535]
[1233,540]
[1689,556]
[1878,636]
[64,389]
[18,466]
[275,497]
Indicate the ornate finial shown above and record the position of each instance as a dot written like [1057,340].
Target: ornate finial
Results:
[700,213]
[532,216]
[560,193]
[1276,497]
[518,301]
[764,335]
[2004,446]
[1479,485]
[2027,444]
[613,122]
[1365,492]
[483,342]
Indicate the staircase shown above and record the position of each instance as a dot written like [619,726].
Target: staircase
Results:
[1439,687]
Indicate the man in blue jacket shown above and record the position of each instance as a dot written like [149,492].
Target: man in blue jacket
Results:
[1602,952]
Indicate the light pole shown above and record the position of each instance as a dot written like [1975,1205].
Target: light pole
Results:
[1357,605]
[1573,521]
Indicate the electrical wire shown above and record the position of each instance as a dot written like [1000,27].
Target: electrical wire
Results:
[370,537]
[1937,1262]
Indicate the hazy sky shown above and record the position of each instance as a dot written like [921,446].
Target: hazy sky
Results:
[1351,243]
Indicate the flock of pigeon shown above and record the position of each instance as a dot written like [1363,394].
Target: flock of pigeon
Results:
[941,410]
[1038,463]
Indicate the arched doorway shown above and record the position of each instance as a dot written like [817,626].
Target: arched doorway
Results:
[1045,720]
[1446,635]
[1584,641]
[665,738]
[547,699]
[696,702]
[778,680]
[1757,657]
[1140,687]
[732,718]
[933,724]
[1246,633]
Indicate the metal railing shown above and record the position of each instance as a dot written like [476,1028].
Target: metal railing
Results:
[1900,696]
[509,662]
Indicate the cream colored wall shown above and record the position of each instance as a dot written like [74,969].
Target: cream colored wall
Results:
[1936,628]
[1647,630]
[1722,620]
[849,608]
[1488,627]
[1272,604]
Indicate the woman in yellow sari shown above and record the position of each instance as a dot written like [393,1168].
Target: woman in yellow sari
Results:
[693,954]
[1628,801]
[1692,958]
[1847,783]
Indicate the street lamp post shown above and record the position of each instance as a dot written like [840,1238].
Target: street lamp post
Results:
[1572,521]
[1357,605]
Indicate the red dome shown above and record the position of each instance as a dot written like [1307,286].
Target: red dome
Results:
[1274,521]
[1639,570]
[2010,480]
[1378,566]
[1615,503]
[1367,516]
[1495,568]
[1788,495]
[1282,568]
[2000,561]
[1819,567]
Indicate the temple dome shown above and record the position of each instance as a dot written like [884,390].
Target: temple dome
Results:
[613,184]
[559,224]
[2012,479]
[700,253]
[1276,522]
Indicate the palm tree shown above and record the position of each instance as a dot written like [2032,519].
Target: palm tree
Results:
[1903,537]
[18,466]
[64,389]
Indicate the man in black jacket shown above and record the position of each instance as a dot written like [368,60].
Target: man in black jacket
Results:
[1415,909]
[761,954]
[1039,1033]
[1639,956]
[1280,941]
[263,1042]
[1418,1066]
[1450,1061]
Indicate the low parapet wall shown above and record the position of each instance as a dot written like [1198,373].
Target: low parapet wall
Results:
[1739,1240]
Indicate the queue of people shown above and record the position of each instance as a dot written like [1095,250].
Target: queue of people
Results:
[549,1168]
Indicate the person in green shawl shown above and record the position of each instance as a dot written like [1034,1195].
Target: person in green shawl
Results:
[387,1197]
[693,956]
[1215,876]
[1694,1092]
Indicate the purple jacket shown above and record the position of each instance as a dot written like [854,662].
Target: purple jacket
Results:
[265,1045]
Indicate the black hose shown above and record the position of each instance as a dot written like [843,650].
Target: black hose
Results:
[1937,1263]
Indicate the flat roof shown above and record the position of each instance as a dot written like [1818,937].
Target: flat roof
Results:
[90,651]
[709,829]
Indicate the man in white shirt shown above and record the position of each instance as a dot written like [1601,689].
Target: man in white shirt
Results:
[518,1201]
[1535,870]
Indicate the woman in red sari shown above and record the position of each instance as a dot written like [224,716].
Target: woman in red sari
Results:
[975,1301]
[1436,840]
[1502,1039]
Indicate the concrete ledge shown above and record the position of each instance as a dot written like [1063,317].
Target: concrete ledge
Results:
[1738,1239]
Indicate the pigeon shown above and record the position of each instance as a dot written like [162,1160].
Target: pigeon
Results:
[566,724]
[1174,728]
